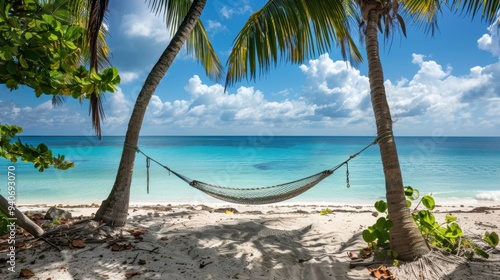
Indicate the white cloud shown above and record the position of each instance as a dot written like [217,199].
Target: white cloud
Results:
[336,100]
[236,9]
[146,25]
[128,77]
[491,42]
[118,112]
[215,27]
[432,98]
[210,108]
[43,118]
[339,90]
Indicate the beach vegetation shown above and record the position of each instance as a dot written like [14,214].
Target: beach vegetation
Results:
[43,47]
[446,236]
[325,211]
[41,157]
[491,238]
[295,30]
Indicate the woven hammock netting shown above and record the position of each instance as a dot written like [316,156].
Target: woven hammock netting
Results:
[262,195]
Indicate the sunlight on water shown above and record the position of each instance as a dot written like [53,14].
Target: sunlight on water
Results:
[454,169]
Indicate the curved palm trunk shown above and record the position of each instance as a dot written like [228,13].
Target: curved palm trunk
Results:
[406,239]
[114,209]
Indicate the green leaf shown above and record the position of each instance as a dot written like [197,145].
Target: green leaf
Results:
[453,231]
[88,88]
[42,148]
[450,218]
[381,206]
[491,238]
[23,62]
[73,33]
[369,235]
[411,193]
[94,76]
[380,224]
[38,91]
[53,37]
[70,45]
[14,50]
[28,35]
[56,65]
[12,67]
[428,202]
[11,84]
[427,219]
[481,253]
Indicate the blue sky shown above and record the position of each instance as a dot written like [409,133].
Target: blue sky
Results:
[441,85]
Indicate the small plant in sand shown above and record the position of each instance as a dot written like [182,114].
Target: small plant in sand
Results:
[447,236]
[326,211]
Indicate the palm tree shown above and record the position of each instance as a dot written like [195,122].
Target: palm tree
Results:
[182,16]
[295,30]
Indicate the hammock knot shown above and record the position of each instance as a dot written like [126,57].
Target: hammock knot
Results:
[131,147]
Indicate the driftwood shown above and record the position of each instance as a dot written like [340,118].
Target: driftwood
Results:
[19,218]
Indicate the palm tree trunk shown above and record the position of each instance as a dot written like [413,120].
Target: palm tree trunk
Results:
[113,211]
[406,239]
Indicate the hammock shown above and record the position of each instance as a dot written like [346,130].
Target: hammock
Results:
[261,195]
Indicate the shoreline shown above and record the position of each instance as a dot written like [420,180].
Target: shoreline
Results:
[274,205]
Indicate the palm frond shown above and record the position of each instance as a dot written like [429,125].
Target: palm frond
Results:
[96,52]
[96,14]
[96,113]
[58,100]
[424,13]
[289,31]
[173,11]
[198,43]
[488,8]
[200,46]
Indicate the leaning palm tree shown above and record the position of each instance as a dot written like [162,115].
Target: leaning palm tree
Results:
[296,30]
[182,16]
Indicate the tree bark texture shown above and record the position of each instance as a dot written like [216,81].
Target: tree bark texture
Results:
[406,239]
[113,211]
[21,219]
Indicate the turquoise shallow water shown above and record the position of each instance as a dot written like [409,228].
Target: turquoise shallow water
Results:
[454,169]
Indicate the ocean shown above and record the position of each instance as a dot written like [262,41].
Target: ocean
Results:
[455,170]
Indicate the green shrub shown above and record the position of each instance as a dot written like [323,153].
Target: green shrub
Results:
[447,236]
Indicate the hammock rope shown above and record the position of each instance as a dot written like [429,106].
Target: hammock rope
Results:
[259,195]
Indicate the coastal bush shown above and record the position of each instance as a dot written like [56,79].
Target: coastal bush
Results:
[447,236]
[40,156]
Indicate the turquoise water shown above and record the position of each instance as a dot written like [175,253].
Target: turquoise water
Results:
[454,169]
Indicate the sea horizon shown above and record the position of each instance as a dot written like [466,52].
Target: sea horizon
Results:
[455,169]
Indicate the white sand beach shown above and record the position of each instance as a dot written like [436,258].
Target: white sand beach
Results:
[253,242]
